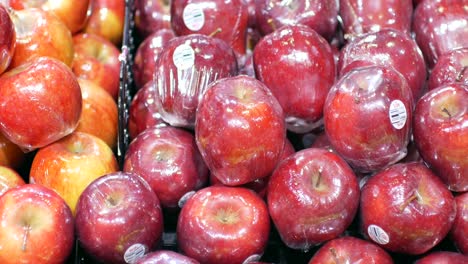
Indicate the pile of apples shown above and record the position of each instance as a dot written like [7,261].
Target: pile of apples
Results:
[334,131]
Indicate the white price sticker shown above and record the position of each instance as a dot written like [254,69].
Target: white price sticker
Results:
[378,235]
[134,253]
[183,57]
[397,114]
[193,17]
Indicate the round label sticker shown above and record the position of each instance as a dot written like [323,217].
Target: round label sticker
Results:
[193,17]
[134,253]
[397,114]
[184,198]
[183,57]
[252,258]
[377,234]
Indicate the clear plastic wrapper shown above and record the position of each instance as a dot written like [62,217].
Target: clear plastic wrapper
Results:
[450,67]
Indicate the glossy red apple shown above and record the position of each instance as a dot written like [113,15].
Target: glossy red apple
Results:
[40,102]
[350,249]
[37,226]
[240,130]
[165,257]
[151,16]
[389,48]
[320,15]
[361,17]
[11,155]
[97,59]
[299,74]
[184,69]
[40,33]
[147,53]
[220,224]
[118,218]
[440,130]
[226,20]
[406,208]
[312,197]
[459,231]
[367,117]
[440,26]
[443,257]
[106,19]
[7,39]
[9,178]
[450,67]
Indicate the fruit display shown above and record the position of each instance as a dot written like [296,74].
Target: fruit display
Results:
[234,131]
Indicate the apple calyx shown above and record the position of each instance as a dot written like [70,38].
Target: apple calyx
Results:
[227,216]
[217,31]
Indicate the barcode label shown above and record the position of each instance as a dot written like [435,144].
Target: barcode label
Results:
[134,253]
[397,114]
[193,17]
[183,57]
[378,235]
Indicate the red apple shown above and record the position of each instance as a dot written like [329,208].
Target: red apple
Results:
[118,218]
[184,69]
[106,19]
[151,16]
[320,15]
[7,39]
[10,154]
[389,48]
[459,231]
[40,33]
[9,178]
[299,74]
[220,224]
[97,59]
[367,117]
[240,130]
[350,249]
[147,53]
[37,226]
[226,20]
[40,102]
[450,67]
[168,159]
[406,208]
[72,13]
[312,197]
[443,257]
[99,115]
[440,130]
[361,17]
[166,257]
[440,26]
[69,165]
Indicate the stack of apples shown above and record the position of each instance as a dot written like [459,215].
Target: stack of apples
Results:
[330,131]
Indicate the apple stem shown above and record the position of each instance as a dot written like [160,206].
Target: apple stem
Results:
[445,110]
[218,30]
[27,230]
[317,183]
[408,201]
[335,256]
[461,74]
[272,24]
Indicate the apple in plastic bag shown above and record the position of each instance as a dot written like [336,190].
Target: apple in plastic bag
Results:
[367,117]
[406,208]
[40,102]
[221,224]
[151,16]
[440,130]
[165,257]
[37,226]
[459,231]
[450,67]
[118,218]
[226,20]
[360,17]
[320,15]
[443,257]
[9,178]
[7,39]
[350,249]
[386,47]
[184,70]
[440,27]
[240,130]
[299,74]
[313,197]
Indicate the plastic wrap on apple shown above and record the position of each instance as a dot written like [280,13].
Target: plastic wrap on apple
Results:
[368,115]
[184,70]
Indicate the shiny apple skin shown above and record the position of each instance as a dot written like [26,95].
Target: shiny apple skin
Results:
[115,212]
[106,19]
[297,65]
[319,15]
[443,257]
[440,130]
[312,196]
[361,17]
[179,88]
[151,16]
[350,249]
[40,103]
[146,55]
[459,231]
[410,204]
[226,20]
[11,155]
[240,130]
[389,48]
[357,121]
[450,67]
[169,160]
[7,39]
[9,178]
[51,224]
[166,257]
[220,224]
[440,26]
